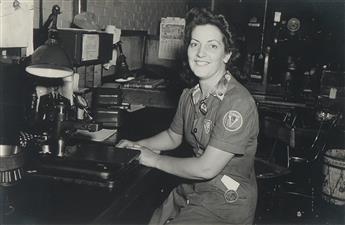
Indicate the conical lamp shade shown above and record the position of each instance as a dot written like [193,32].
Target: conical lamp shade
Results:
[50,60]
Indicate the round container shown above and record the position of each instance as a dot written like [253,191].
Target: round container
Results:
[11,164]
[333,185]
[7,150]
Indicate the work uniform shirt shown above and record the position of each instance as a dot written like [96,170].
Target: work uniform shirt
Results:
[227,120]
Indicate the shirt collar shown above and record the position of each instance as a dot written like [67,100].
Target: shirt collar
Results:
[218,92]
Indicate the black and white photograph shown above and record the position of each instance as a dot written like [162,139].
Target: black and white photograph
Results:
[162,112]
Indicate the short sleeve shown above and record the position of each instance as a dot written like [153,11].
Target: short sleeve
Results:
[177,123]
[236,122]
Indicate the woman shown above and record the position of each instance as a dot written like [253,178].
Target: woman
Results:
[218,118]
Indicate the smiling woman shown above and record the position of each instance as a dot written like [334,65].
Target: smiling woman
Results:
[218,118]
[207,55]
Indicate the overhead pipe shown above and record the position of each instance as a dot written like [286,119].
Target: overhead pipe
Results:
[79,6]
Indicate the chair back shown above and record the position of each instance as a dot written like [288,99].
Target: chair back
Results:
[277,129]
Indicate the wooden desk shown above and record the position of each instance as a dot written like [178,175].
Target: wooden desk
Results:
[42,201]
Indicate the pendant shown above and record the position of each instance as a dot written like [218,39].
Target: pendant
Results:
[203,107]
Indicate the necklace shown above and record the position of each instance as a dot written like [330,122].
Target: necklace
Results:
[203,105]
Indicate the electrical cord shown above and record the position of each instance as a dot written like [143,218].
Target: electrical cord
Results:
[317,137]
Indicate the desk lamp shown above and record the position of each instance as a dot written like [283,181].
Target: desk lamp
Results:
[122,71]
[50,60]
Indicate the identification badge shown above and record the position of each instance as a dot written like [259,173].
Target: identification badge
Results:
[231,185]
[230,196]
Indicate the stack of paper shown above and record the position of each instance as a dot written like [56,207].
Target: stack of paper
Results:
[100,135]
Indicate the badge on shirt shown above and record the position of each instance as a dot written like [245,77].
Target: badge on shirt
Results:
[207,126]
[232,120]
[231,185]
[203,107]
[231,196]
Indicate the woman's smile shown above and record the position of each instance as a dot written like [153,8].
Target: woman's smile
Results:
[201,62]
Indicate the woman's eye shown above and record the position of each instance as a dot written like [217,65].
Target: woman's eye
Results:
[193,44]
[213,46]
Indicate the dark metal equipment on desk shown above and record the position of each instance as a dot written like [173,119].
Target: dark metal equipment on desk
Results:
[94,164]
[56,156]
[54,123]
[55,152]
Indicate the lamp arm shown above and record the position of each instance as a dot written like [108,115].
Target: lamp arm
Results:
[49,21]
[52,19]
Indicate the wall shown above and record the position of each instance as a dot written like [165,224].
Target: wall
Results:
[136,14]
[139,15]
[124,14]
[64,19]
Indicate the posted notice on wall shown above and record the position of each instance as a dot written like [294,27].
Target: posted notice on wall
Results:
[90,47]
[171,37]
[16,24]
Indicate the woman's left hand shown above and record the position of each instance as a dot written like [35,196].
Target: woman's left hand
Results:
[147,156]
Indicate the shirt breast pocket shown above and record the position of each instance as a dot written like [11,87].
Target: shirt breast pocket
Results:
[202,130]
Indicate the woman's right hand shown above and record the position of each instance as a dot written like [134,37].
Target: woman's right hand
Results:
[126,144]
[133,144]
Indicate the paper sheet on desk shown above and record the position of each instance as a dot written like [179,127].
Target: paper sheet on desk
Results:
[100,135]
[136,107]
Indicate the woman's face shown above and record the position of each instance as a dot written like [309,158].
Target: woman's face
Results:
[206,51]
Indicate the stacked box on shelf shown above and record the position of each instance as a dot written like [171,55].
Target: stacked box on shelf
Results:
[107,106]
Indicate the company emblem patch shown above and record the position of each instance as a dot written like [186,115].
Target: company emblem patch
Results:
[232,120]
[207,126]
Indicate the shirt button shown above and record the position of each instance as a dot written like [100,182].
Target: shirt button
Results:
[195,130]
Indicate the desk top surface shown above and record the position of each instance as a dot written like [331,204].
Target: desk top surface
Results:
[43,201]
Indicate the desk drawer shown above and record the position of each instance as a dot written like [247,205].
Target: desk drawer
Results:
[107,97]
[110,118]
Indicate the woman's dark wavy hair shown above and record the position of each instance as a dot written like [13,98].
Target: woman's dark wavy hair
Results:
[202,16]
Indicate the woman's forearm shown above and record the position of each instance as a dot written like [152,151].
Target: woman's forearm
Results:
[204,167]
[165,140]
[183,167]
